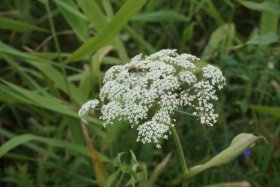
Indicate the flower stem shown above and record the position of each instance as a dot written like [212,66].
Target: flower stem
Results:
[95,160]
[180,156]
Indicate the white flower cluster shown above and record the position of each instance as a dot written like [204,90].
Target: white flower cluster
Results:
[87,109]
[147,91]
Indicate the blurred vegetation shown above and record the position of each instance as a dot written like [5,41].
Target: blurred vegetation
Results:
[53,55]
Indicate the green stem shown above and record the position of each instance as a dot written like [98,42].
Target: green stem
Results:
[181,156]
[119,44]
[58,50]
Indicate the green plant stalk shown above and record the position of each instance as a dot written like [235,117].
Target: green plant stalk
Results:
[118,42]
[181,156]
[95,160]
[57,46]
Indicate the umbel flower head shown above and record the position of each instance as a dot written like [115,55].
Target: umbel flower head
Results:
[149,89]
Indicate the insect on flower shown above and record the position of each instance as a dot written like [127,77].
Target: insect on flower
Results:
[134,69]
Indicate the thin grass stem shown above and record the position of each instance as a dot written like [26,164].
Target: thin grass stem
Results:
[57,46]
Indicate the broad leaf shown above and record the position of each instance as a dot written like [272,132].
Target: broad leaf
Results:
[237,146]
[264,39]
[263,7]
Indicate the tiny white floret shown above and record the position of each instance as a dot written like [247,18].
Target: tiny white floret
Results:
[87,109]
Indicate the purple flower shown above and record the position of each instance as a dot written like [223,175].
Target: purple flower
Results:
[246,153]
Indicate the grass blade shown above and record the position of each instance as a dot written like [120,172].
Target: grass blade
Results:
[140,40]
[22,139]
[160,16]
[46,67]
[158,170]
[93,13]
[75,19]
[107,34]
[274,111]
[99,20]
[11,24]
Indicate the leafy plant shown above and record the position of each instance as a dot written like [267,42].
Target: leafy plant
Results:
[45,80]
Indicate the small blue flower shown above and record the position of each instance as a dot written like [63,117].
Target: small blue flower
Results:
[246,153]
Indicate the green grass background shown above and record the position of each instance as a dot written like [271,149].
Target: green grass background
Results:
[53,55]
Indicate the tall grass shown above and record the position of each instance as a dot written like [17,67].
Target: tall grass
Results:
[53,56]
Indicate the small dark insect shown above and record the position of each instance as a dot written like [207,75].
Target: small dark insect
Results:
[135,69]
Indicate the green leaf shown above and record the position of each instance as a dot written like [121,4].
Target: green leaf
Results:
[264,39]
[263,7]
[46,67]
[158,170]
[221,39]
[231,184]
[188,32]
[21,71]
[93,13]
[139,39]
[11,24]
[160,16]
[211,9]
[274,111]
[70,7]
[269,21]
[47,102]
[7,95]
[99,20]
[110,180]
[22,139]
[76,19]
[237,146]
[37,148]
[109,32]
